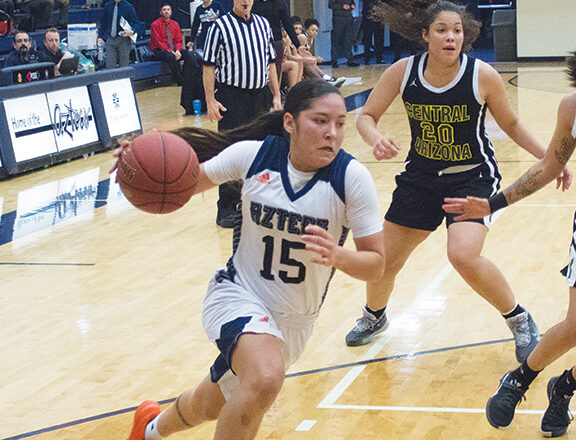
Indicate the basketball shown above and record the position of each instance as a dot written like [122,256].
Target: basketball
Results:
[158,172]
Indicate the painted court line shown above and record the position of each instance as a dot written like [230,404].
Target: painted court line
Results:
[350,377]
[305,425]
[426,409]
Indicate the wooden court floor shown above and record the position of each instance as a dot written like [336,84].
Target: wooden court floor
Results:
[100,303]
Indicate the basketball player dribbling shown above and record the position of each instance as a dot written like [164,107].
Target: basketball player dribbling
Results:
[301,195]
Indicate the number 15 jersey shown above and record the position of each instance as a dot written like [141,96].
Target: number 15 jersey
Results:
[278,202]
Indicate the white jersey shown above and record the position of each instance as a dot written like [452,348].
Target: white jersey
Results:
[278,202]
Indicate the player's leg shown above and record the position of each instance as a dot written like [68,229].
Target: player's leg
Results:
[558,340]
[190,409]
[465,243]
[258,363]
[399,243]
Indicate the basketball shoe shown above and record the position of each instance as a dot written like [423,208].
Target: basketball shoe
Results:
[502,405]
[525,333]
[366,327]
[557,417]
[146,412]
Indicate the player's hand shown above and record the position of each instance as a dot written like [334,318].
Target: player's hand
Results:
[321,242]
[469,208]
[385,148]
[116,154]
[213,110]
[302,51]
[564,180]
[277,103]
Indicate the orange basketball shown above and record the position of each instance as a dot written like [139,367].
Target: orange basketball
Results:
[158,172]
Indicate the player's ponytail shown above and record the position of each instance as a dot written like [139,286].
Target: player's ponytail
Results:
[409,17]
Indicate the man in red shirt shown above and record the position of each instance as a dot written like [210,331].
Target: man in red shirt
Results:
[166,41]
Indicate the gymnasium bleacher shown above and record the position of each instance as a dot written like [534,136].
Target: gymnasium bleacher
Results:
[148,73]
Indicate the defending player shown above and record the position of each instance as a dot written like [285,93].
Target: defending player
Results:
[446,95]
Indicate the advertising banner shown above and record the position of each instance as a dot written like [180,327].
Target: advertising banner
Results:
[30,127]
[120,106]
[72,118]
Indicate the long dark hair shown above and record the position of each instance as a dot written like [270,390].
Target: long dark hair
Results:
[208,143]
[571,68]
[409,17]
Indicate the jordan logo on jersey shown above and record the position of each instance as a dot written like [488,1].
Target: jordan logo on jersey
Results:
[265,319]
[264,178]
[413,83]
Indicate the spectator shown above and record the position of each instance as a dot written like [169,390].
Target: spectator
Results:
[7,6]
[204,16]
[373,33]
[23,51]
[342,23]
[118,42]
[192,86]
[41,12]
[276,12]
[51,51]
[166,41]
[311,70]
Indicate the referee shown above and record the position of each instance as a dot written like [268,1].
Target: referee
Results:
[238,75]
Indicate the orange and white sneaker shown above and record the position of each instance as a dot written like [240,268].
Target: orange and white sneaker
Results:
[145,412]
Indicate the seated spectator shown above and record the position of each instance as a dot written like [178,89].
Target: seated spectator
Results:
[166,41]
[292,66]
[51,52]
[41,11]
[118,42]
[312,70]
[23,51]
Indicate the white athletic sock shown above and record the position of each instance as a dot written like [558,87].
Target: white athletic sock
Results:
[326,77]
[151,432]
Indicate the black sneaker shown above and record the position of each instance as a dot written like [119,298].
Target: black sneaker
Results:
[525,333]
[366,327]
[226,217]
[501,406]
[557,417]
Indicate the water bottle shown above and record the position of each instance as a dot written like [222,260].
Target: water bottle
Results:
[100,50]
[197,107]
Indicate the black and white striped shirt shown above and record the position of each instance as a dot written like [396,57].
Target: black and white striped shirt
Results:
[241,50]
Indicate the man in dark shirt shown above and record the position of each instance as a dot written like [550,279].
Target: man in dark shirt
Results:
[342,24]
[23,52]
[51,51]
[118,42]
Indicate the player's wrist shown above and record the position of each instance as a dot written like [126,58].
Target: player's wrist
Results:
[497,201]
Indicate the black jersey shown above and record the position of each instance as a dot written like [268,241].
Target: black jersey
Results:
[447,123]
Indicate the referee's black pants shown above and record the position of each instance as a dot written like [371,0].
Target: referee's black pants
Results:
[242,106]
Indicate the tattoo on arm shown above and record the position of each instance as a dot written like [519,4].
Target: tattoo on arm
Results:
[527,184]
[565,151]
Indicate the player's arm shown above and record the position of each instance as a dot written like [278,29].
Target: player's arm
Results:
[492,88]
[540,174]
[381,97]
[366,263]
